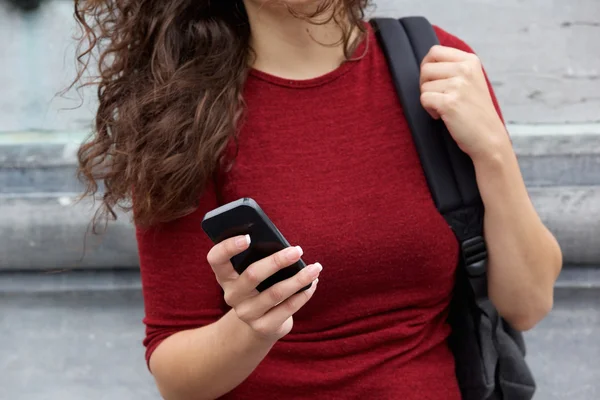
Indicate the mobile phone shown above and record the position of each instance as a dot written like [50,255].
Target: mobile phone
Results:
[245,217]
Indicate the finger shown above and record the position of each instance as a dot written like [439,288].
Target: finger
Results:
[433,102]
[445,54]
[263,269]
[439,86]
[220,255]
[256,307]
[272,320]
[436,71]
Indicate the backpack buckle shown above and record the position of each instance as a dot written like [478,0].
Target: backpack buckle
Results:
[474,254]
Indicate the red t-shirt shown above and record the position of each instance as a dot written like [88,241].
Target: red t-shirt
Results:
[332,162]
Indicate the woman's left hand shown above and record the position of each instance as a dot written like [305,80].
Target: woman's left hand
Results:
[454,88]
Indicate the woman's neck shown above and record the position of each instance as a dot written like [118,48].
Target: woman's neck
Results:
[290,47]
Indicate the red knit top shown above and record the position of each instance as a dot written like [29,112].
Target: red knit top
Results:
[332,162]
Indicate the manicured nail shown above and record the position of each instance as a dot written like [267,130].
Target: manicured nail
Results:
[242,241]
[315,269]
[292,253]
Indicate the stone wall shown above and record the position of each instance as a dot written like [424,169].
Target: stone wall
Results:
[543,58]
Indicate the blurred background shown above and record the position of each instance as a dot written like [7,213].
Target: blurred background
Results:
[70,324]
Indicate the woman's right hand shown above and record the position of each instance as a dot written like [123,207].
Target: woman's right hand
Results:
[269,313]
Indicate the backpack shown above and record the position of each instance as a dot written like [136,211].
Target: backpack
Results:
[489,354]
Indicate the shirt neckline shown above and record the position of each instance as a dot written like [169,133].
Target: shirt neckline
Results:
[346,66]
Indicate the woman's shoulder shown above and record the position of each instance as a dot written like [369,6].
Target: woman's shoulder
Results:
[448,39]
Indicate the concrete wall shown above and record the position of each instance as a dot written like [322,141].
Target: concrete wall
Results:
[543,57]
[41,227]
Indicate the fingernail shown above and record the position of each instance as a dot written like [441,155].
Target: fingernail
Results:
[315,269]
[242,241]
[293,253]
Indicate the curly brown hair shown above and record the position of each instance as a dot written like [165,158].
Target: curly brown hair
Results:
[170,81]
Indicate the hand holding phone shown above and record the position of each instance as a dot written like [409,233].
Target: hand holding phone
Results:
[268,313]
[245,217]
[263,278]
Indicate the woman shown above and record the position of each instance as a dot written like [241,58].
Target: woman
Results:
[291,102]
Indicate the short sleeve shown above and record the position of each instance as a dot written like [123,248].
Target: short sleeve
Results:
[449,40]
[179,287]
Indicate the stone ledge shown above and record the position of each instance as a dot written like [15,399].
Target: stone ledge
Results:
[46,232]
[558,155]
[549,155]
[40,228]
[71,281]
[40,283]
[573,215]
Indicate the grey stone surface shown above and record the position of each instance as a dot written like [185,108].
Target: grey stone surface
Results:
[579,278]
[48,232]
[559,159]
[37,54]
[75,345]
[42,227]
[564,349]
[58,179]
[549,155]
[125,279]
[573,215]
[543,57]
[35,283]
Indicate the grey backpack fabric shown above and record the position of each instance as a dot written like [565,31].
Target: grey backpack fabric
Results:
[489,354]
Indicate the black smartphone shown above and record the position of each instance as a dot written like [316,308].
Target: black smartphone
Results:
[245,217]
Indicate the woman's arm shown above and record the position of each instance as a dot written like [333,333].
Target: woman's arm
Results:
[206,363]
[524,257]
[193,350]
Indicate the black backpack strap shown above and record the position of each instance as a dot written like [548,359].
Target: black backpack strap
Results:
[452,184]
[489,354]
[449,171]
